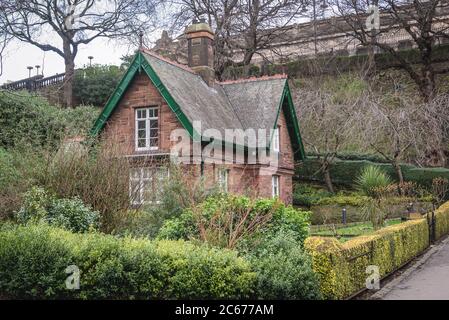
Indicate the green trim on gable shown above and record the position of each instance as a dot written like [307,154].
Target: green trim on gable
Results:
[168,98]
[116,96]
[292,123]
[138,64]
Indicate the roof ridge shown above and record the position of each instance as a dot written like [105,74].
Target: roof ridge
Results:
[255,79]
[173,63]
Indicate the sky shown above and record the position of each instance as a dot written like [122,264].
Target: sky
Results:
[19,55]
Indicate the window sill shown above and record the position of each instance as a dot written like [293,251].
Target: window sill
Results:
[147,149]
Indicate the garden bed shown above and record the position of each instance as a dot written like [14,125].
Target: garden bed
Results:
[346,232]
[327,214]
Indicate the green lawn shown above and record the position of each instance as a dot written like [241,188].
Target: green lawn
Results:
[345,233]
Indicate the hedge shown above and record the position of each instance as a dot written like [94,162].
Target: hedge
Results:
[345,172]
[341,268]
[33,260]
[442,221]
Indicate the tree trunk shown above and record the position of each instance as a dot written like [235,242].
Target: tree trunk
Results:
[427,86]
[69,61]
[398,170]
[327,178]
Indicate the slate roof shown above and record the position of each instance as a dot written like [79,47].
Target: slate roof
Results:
[198,101]
[251,103]
[242,104]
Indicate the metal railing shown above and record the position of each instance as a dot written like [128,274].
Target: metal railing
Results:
[34,83]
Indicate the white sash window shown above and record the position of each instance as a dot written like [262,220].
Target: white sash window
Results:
[147,129]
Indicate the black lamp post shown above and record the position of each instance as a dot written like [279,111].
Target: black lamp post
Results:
[37,69]
[90,60]
[29,71]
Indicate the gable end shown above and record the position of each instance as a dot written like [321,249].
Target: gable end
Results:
[138,64]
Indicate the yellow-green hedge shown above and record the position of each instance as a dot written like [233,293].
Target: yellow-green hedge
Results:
[341,268]
[442,221]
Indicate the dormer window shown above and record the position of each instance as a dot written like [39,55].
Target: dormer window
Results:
[147,129]
[276,140]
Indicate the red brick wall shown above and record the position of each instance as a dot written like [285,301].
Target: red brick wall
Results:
[243,179]
[121,124]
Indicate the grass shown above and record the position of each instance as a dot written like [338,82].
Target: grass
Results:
[345,233]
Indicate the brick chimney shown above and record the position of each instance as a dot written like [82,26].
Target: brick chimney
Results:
[200,39]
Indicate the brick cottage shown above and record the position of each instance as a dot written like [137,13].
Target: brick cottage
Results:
[157,98]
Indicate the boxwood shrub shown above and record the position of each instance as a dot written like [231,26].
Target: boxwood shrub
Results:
[284,270]
[71,214]
[33,260]
[341,268]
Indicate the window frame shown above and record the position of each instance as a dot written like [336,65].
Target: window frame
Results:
[141,178]
[277,139]
[275,186]
[147,120]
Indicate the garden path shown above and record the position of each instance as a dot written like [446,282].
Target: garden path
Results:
[428,281]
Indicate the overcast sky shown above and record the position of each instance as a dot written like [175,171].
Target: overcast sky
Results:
[19,55]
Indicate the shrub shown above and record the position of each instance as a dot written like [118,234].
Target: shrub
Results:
[442,221]
[306,195]
[100,178]
[226,219]
[9,175]
[70,214]
[29,120]
[94,85]
[8,172]
[178,194]
[182,227]
[283,269]
[371,179]
[355,200]
[33,260]
[19,170]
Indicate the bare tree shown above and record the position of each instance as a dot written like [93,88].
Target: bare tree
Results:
[327,124]
[243,28]
[61,26]
[431,133]
[388,128]
[423,22]
[4,39]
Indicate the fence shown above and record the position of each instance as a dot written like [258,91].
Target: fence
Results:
[34,83]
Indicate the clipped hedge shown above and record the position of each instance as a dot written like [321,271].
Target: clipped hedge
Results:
[33,260]
[442,221]
[341,268]
[344,173]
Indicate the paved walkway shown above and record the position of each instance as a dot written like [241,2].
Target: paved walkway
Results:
[426,279]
